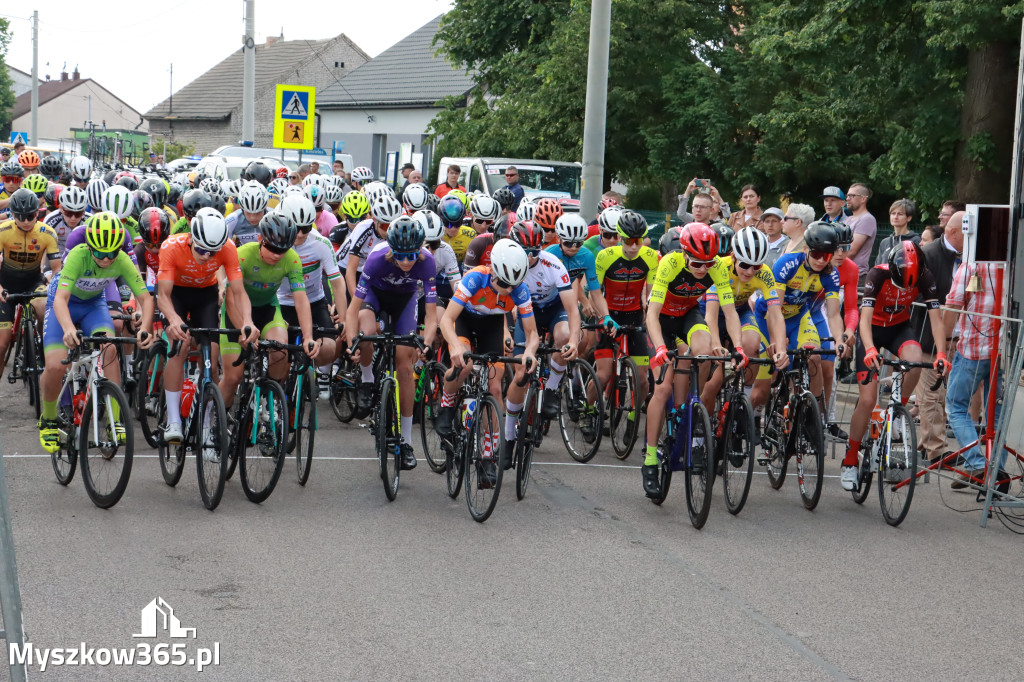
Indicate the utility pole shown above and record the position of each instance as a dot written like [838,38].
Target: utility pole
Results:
[34,130]
[597,101]
[170,99]
[249,73]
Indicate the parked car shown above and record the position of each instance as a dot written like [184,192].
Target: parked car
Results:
[231,167]
[540,178]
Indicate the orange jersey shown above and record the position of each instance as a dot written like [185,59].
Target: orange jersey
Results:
[179,266]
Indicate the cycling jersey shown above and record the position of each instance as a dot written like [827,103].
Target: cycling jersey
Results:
[23,251]
[763,283]
[240,229]
[131,226]
[448,272]
[360,242]
[849,274]
[891,305]
[460,242]
[317,256]
[77,237]
[85,279]
[325,222]
[579,266]
[479,251]
[624,279]
[179,267]
[478,297]
[181,227]
[801,287]
[547,279]
[55,221]
[383,276]
[679,291]
[262,280]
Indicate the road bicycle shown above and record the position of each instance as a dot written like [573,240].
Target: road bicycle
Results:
[302,390]
[622,393]
[530,424]
[25,354]
[732,421]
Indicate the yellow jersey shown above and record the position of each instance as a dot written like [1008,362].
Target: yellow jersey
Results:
[762,282]
[460,242]
[23,250]
[679,290]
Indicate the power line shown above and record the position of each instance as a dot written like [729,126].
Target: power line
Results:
[338,81]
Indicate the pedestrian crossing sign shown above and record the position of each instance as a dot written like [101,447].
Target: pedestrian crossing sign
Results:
[293,117]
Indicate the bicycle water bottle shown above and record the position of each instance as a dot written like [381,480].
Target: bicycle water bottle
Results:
[721,419]
[468,410]
[876,422]
[188,393]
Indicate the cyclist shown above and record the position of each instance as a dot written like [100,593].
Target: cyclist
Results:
[29,160]
[73,204]
[12,175]
[325,221]
[366,235]
[484,211]
[353,210]
[448,273]
[414,198]
[608,234]
[479,250]
[75,302]
[50,168]
[547,213]
[188,290]
[24,242]
[192,202]
[890,290]
[387,290]
[571,230]
[673,316]
[243,225]
[81,171]
[38,185]
[154,228]
[456,235]
[361,175]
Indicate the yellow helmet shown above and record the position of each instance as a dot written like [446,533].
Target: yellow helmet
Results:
[462,196]
[104,232]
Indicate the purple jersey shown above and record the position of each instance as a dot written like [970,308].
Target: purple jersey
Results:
[77,236]
[385,277]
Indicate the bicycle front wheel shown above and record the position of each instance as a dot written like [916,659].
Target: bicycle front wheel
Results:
[864,469]
[209,439]
[149,391]
[305,424]
[700,470]
[582,411]
[738,452]
[484,467]
[625,410]
[264,439]
[774,438]
[897,468]
[809,443]
[344,381]
[527,430]
[428,406]
[389,438]
[32,350]
[65,460]
[106,442]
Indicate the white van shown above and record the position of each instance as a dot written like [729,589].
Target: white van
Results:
[540,178]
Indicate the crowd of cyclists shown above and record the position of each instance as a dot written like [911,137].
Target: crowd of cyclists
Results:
[468,272]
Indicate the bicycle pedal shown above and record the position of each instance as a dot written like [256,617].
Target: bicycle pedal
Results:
[762,460]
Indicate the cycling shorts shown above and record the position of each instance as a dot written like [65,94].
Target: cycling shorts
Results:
[91,316]
[18,283]
[318,311]
[638,343]
[397,311]
[546,319]
[482,333]
[265,317]
[679,329]
[893,339]
[197,307]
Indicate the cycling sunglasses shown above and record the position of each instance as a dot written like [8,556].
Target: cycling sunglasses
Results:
[610,235]
[12,179]
[25,217]
[482,222]
[635,241]
[274,249]
[532,252]
[101,255]
[572,244]
[844,247]
[305,229]
[405,255]
[746,266]
[72,214]
[820,255]
[203,252]
[700,263]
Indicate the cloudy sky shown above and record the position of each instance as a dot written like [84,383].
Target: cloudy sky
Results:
[128,47]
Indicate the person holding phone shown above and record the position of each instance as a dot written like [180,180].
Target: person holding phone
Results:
[702,186]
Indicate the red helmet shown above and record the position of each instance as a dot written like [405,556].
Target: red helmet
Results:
[905,264]
[699,241]
[282,172]
[548,211]
[527,234]
[606,203]
[154,226]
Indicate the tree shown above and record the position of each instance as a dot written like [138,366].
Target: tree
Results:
[6,94]
[172,150]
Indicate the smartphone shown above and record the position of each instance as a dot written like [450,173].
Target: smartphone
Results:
[702,182]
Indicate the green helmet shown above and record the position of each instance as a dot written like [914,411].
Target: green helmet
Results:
[104,232]
[355,205]
[36,184]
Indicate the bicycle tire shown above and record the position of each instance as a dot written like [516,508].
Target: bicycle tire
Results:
[738,452]
[305,426]
[454,465]
[429,404]
[260,463]
[526,429]
[65,460]
[581,411]
[149,392]
[625,393]
[700,469]
[344,381]
[865,473]
[488,433]
[31,369]
[809,442]
[775,430]
[388,438]
[106,465]
[898,467]
[664,468]
[210,431]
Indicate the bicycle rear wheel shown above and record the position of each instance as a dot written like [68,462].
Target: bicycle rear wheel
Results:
[582,411]
[527,431]
[106,459]
[389,440]
[625,411]
[809,443]
[149,391]
[774,439]
[484,467]
[31,370]
[65,460]
[208,438]
[428,406]
[664,469]
[172,457]
[305,424]
[454,467]
[700,470]
[738,452]
[344,381]
[264,437]
[897,469]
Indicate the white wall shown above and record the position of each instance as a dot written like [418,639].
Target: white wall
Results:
[356,131]
[70,110]
[21,82]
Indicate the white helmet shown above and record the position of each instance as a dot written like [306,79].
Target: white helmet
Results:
[73,198]
[208,229]
[431,224]
[608,221]
[294,189]
[212,187]
[312,179]
[361,174]
[414,197]
[385,209]
[299,208]
[315,193]
[526,210]
[95,190]
[509,263]
[375,190]
[335,180]
[750,245]
[484,208]
[278,185]
[253,197]
[333,194]
[571,227]
[119,201]
[81,168]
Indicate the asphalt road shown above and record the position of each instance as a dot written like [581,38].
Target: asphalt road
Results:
[583,579]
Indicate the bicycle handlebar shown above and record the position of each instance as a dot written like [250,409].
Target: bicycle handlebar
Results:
[674,355]
[325,331]
[903,366]
[23,298]
[206,331]
[412,340]
[483,358]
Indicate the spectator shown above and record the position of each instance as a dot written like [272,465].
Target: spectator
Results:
[703,208]
[19,147]
[415,176]
[338,167]
[512,183]
[750,198]
[293,177]
[304,170]
[834,201]
[900,214]
[314,167]
[948,209]
[930,233]
[771,225]
[160,161]
[794,224]
[406,170]
[684,199]
[864,226]
[451,183]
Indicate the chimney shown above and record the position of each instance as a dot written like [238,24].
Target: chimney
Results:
[272,39]
[63,75]
[75,75]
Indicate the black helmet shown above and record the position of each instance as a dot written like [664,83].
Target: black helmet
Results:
[725,235]
[50,166]
[154,226]
[128,181]
[64,177]
[632,225]
[142,201]
[258,171]
[504,197]
[220,203]
[194,200]
[12,169]
[174,193]
[843,232]
[109,176]
[501,227]
[278,230]
[821,236]
[405,235]
[339,233]
[155,188]
[24,202]
[433,201]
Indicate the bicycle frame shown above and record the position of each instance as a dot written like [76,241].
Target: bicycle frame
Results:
[86,364]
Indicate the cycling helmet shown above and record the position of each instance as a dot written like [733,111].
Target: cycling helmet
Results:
[12,169]
[527,234]
[504,197]
[571,227]
[725,235]
[95,191]
[509,263]
[502,226]
[699,241]
[629,224]
[253,197]
[821,237]
[355,205]
[193,201]
[335,180]
[104,232]
[451,210]
[609,219]
[293,189]
[375,190]
[24,202]
[211,186]
[361,174]
[174,192]
[124,174]
[843,232]
[258,171]
[229,188]
[278,230]
[433,202]
[316,195]
[119,201]
[127,181]
[36,184]
[81,168]
[110,177]
[313,179]
[220,203]
[461,196]
[52,194]
[607,202]
[548,211]
[750,246]
[281,173]
[50,167]
[406,235]
[431,224]
[333,194]
[155,188]
[385,209]
[526,210]
[299,209]
[484,208]
[73,198]
[905,264]
[154,226]
[277,186]
[141,201]
[65,176]
[414,198]
[29,160]
[208,229]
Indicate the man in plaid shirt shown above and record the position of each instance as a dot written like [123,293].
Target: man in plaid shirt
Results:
[974,340]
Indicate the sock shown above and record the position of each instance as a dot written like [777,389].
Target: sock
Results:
[512,411]
[747,390]
[652,455]
[555,377]
[447,399]
[173,406]
[367,373]
[851,454]
[407,429]
[115,410]
[49,409]
[904,399]
[325,369]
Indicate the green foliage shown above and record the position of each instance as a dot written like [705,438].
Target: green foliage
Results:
[172,150]
[6,95]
